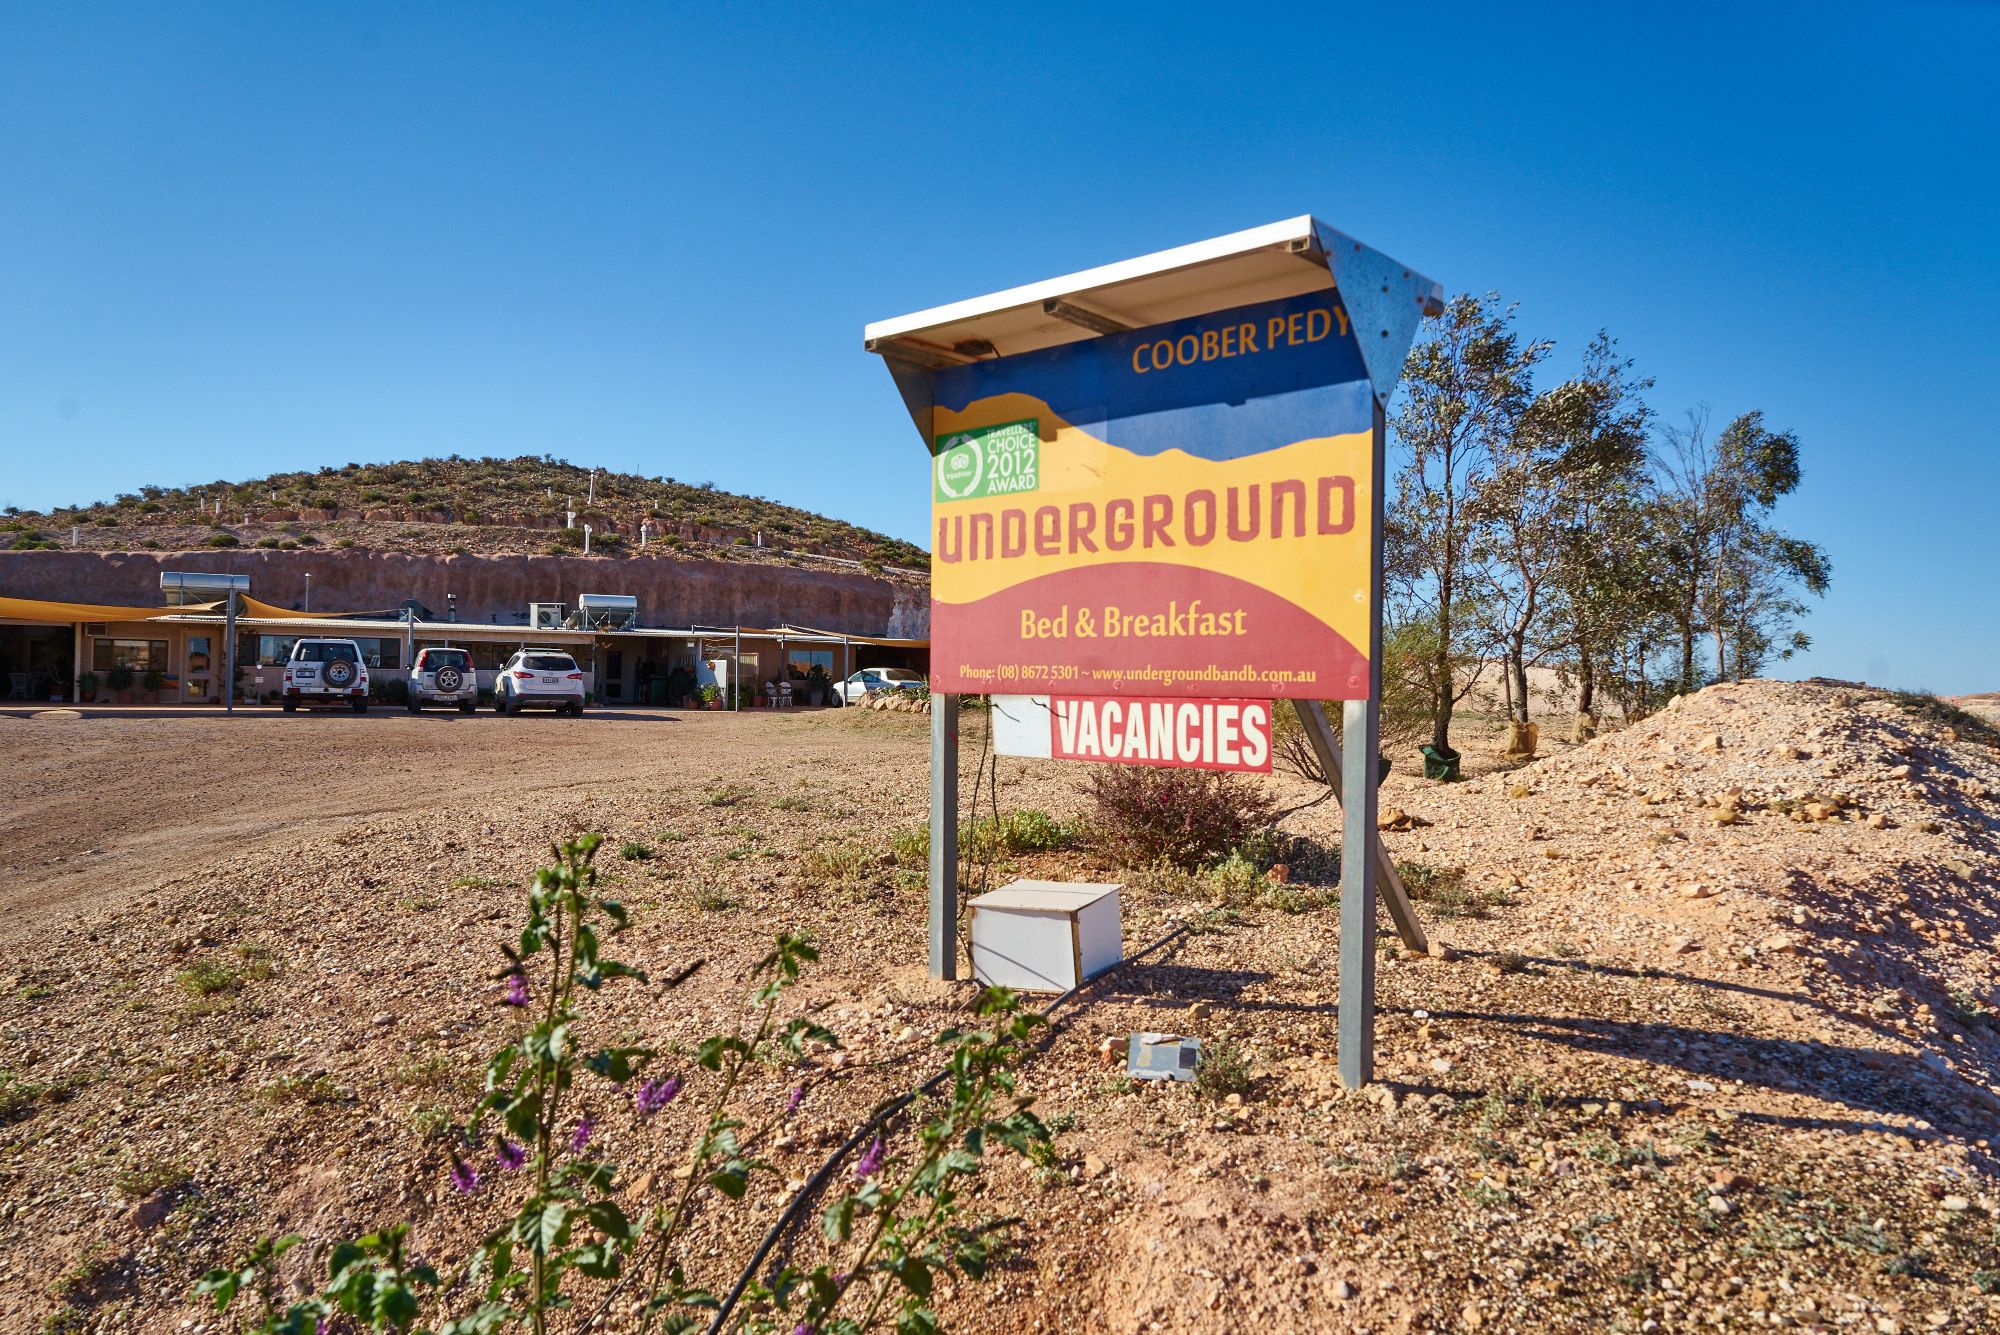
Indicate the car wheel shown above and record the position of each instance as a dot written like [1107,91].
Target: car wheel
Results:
[361,706]
[513,706]
[291,705]
[467,706]
[576,710]
[412,705]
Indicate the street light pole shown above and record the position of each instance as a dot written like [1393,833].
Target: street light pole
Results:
[309,593]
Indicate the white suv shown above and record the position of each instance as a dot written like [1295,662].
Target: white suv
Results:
[326,672]
[539,679]
[443,677]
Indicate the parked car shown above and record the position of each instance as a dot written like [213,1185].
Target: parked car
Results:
[326,672]
[870,680]
[539,679]
[443,677]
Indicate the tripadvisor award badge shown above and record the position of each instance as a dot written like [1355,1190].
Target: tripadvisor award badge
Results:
[987,461]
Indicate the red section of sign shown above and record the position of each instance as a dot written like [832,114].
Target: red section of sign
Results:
[1178,734]
[1142,629]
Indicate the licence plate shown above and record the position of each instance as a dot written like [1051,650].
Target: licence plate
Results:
[551,681]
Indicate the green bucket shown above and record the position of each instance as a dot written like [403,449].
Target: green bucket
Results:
[1440,763]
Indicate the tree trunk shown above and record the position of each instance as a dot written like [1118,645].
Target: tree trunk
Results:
[1517,690]
[1721,667]
[1586,693]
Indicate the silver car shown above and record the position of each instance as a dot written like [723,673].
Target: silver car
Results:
[443,677]
[539,679]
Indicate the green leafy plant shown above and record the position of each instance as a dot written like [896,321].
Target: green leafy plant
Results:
[567,1245]
[901,1224]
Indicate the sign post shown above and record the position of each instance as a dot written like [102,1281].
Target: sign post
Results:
[1157,503]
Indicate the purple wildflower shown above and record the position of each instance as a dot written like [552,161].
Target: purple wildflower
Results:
[654,1095]
[871,1159]
[805,1328]
[579,1137]
[517,991]
[464,1176]
[511,1156]
[798,1097]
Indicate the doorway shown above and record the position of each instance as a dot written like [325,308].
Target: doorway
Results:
[198,673]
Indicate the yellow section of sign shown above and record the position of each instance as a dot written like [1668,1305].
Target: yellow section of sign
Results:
[1293,520]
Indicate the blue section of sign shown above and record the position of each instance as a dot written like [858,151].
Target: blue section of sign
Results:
[1218,386]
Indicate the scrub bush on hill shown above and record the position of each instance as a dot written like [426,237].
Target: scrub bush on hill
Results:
[570,1257]
[1182,817]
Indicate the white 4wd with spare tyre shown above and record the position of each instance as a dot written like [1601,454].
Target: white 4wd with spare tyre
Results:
[443,676]
[326,672]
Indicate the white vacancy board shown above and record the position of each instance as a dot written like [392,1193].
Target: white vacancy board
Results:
[1124,730]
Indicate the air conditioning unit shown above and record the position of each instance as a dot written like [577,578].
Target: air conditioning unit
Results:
[545,616]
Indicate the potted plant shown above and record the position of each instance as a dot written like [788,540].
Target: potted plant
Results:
[816,683]
[711,696]
[120,680]
[86,687]
[153,681]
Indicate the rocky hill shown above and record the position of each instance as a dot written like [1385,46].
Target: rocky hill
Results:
[457,506]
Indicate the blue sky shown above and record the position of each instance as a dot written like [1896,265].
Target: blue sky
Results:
[241,238]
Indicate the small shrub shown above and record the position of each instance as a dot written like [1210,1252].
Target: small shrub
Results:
[1177,816]
[1019,831]
[224,540]
[311,1090]
[634,851]
[838,863]
[1444,890]
[18,1096]
[1223,1069]
[911,847]
[150,1177]
[731,795]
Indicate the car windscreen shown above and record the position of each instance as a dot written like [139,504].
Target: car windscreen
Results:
[549,663]
[444,658]
[327,653]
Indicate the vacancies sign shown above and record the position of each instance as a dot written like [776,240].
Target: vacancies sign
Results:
[1177,734]
[1179,511]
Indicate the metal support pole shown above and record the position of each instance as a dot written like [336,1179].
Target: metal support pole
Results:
[944,837]
[735,683]
[229,656]
[1360,738]
[1319,731]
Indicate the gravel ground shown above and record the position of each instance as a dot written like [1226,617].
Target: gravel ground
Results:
[1713,1046]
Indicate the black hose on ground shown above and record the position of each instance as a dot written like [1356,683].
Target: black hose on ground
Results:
[874,1123]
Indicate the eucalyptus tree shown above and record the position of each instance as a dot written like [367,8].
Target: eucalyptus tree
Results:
[1465,387]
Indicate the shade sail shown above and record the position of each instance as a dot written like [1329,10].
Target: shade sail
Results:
[34,609]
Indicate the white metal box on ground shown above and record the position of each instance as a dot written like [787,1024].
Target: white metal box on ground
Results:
[1045,936]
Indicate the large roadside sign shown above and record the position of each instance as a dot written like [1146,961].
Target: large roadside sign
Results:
[1181,509]
[1156,511]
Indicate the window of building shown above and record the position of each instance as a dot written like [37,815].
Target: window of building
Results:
[139,655]
[803,661]
[264,650]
